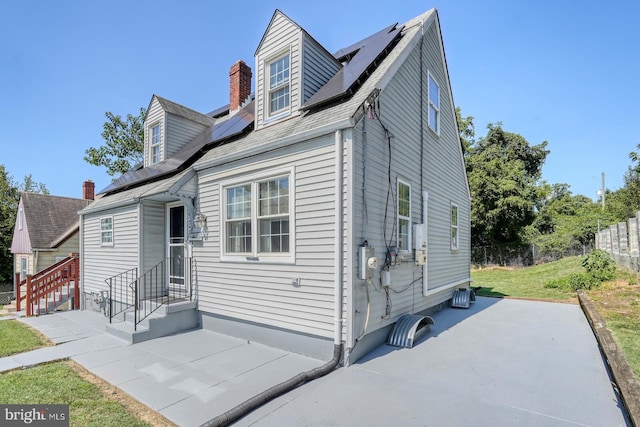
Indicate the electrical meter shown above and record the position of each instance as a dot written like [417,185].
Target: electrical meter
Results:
[367,262]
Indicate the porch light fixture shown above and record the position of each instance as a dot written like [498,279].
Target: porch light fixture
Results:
[200,220]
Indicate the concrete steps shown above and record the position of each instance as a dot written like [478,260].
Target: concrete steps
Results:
[168,319]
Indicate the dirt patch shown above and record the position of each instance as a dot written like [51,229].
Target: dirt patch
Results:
[115,394]
[618,297]
[558,301]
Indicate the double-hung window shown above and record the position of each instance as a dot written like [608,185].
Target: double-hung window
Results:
[106,231]
[155,143]
[434,105]
[273,215]
[278,80]
[404,216]
[258,219]
[455,234]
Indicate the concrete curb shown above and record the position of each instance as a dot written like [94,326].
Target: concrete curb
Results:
[623,376]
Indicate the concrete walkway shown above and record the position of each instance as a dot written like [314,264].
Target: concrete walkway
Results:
[500,363]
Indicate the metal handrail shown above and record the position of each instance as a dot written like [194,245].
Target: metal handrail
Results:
[156,287]
[120,296]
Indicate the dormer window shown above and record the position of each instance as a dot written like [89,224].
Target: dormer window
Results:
[279,87]
[155,143]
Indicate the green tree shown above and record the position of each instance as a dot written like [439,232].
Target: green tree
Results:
[9,198]
[504,173]
[124,143]
[466,129]
[566,222]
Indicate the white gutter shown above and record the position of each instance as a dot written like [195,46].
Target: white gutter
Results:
[338,243]
[276,144]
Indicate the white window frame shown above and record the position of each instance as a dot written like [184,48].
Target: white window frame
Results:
[104,232]
[255,255]
[155,145]
[406,218]
[24,267]
[20,219]
[455,228]
[434,125]
[272,114]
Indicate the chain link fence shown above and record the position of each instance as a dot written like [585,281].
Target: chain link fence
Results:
[6,293]
[6,298]
[518,255]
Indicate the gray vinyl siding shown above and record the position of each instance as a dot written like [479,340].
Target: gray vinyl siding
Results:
[179,132]
[102,262]
[318,68]
[261,292]
[443,179]
[153,234]
[155,114]
[282,36]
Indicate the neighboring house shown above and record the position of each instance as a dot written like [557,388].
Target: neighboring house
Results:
[46,229]
[274,197]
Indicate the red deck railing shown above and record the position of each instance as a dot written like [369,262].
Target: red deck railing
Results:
[49,283]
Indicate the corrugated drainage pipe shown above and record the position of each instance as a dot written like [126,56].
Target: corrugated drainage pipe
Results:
[277,390]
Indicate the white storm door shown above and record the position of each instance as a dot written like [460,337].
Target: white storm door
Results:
[176,247]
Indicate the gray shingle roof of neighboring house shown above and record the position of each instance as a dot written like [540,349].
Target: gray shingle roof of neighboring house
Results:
[50,218]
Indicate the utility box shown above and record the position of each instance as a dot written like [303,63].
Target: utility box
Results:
[367,262]
[419,237]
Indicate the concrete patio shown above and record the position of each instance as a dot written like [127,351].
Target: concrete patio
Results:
[499,363]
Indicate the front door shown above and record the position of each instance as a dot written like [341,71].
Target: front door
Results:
[176,247]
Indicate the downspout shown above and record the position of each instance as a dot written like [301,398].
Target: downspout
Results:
[80,284]
[35,262]
[284,387]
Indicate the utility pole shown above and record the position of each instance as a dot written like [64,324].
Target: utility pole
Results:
[602,190]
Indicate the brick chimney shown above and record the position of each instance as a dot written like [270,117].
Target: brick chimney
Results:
[88,190]
[239,84]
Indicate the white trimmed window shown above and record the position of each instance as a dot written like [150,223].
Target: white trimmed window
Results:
[434,105]
[404,216]
[455,234]
[106,231]
[258,219]
[278,83]
[155,143]
[24,268]
[20,220]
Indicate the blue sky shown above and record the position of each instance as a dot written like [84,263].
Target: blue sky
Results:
[560,71]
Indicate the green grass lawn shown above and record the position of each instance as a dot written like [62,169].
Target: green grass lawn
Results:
[59,383]
[16,337]
[618,302]
[527,282]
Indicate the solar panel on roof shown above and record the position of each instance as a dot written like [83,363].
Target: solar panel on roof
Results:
[368,53]
[213,134]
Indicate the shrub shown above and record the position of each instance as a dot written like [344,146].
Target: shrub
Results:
[599,265]
[585,281]
[559,283]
